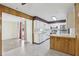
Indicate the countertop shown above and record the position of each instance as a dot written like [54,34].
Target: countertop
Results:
[64,35]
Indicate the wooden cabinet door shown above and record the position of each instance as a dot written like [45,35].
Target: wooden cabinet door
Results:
[55,43]
[71,46]
[66,45]
[58,43]
[52,42]
[62,45]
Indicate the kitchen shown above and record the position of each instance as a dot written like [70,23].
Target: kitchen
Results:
[59,27]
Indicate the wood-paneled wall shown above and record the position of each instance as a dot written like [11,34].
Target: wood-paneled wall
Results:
[77,27]
[0,30]
[0,33]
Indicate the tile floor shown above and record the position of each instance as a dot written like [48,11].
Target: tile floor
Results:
[17,47]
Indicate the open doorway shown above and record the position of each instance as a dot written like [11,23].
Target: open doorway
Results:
[14,32]
[22,31]
[25,32]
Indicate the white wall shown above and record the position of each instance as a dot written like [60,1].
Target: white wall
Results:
[41,31]
[40,25]
[9,26]
[71,18]
[29,30]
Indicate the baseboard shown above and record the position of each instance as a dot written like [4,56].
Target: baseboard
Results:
[40,42]
[11,38]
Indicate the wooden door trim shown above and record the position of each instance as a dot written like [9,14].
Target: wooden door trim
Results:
[20,31]
[32,31]
[0,31]
[25,30]
[14,12]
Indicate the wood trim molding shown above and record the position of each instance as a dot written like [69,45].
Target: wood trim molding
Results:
[58,21]
[20,31]
[25,35]
[32,31]
[0,32]
[41,42]
[14,12]
[77,27]
[49,22]
[39,19]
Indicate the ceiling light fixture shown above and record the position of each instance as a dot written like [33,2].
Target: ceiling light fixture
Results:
[54,18]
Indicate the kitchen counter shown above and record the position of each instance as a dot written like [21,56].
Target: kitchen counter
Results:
[63,42]
[64,35]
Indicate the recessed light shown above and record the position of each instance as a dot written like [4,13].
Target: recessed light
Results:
[54,18]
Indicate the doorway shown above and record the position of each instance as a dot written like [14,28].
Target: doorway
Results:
[22,32]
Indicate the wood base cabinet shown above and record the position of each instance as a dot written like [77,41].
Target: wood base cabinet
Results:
[63,44]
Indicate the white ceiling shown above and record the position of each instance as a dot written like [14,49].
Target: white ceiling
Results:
[43,10]
[11,18]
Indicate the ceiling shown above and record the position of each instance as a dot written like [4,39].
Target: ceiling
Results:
[12,18]
[43,10]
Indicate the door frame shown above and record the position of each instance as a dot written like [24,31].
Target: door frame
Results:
[20,33]
[33,31]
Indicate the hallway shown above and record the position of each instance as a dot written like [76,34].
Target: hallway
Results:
[16,47]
